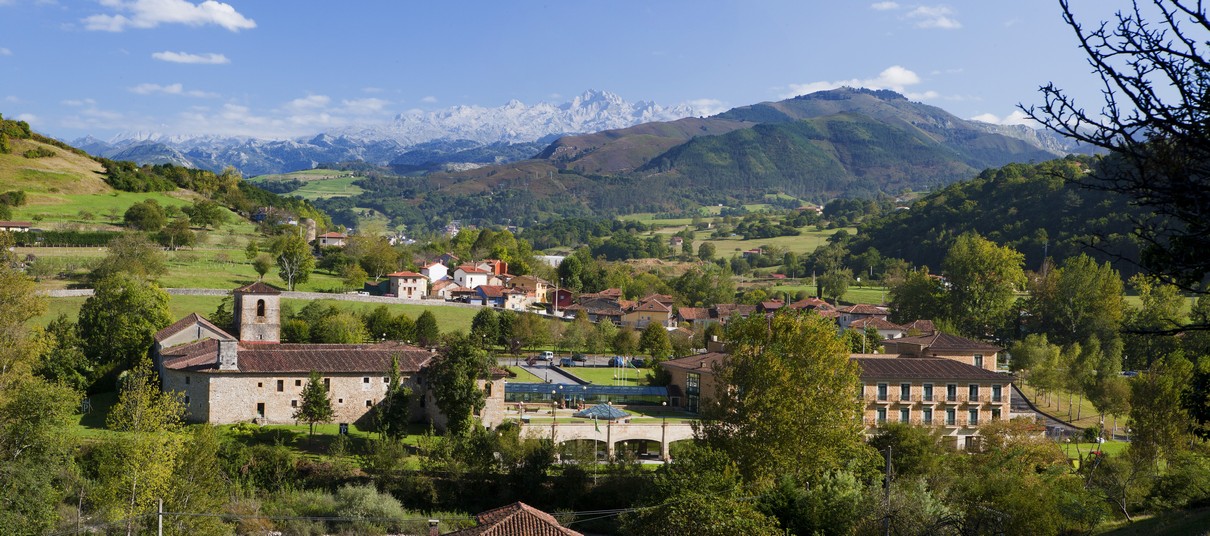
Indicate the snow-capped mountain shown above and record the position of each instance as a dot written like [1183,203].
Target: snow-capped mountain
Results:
[485,127]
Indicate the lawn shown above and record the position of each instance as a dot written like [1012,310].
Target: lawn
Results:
[611,375]
[855,294]
[1076,450]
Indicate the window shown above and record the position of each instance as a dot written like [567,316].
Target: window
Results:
[294,403]
[186,400]
[186,380]
[693,383]
[905,414]
[951,392]
[327,384]
[972,392]
[905,391]
[298,383]
[487,389]
[973,417]
[928,392]
[926,415]
[995,414]
[365,380]
[260,410]
[386,379]
[369,403]
[281,385]
[260,308]
[997,393]
[882,391]
[340,401]
[259,384]
[881,415]
[979,360]
[951,416]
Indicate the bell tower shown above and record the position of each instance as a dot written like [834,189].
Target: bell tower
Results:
[258,313]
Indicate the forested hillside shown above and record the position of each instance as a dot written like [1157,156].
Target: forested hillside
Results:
[1034,208]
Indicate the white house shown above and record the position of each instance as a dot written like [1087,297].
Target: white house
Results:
[435,271]
[469,276]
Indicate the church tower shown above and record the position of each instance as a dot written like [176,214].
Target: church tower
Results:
[258,313]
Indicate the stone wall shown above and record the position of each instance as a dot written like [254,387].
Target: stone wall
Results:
[235,398]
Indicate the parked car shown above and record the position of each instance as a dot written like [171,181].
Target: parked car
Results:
[579,357]
[638,362]
[567,362]
[546,356]
[617,361]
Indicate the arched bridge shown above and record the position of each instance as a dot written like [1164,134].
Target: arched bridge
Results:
[612,433]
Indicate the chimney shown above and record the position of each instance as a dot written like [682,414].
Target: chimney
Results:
[433,530]
[228,356]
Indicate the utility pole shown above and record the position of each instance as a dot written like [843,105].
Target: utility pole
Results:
[886,496]
[159,519]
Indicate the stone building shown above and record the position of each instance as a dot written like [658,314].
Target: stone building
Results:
[254,377]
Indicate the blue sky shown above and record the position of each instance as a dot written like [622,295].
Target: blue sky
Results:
[289,68]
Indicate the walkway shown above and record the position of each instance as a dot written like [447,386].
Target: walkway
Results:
[1054,426]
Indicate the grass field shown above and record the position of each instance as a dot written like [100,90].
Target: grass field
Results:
[871,295]
[611,375]
[803,243]
[1075,451]
[320,183]
[1194,522]
[1057,405]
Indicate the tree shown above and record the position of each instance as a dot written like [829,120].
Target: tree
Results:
[251,251]
[983,279]
[294,260]
[177,234]
[625,342]
[314,407]
[36,448]
[374,254]
[262,263]
[198,484]
[426,328]
[485,327]
[705,285]
[530,331]
[341,328]
[131,254]
[655,342]
[834,283]
[453,379]
[705,251]
[1146,328]
[392,415]
[118,322]
[62,359]
[206,213]
[136,464]
[1156,139]
[1160,422]
[917,296]
[787,393]
[354,277]
[146,216]
[1077,301]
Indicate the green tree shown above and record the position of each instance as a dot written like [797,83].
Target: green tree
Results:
[136,464]
[917,296]
[1078,300]
[62,358]
[453,378]
[36,448]
[787,393]
[341,328]
[354,277]
[131,254]
[485,327]
[655,342]
[262,263]
[1160,423]
[835,283]
[315,407]
[426,329]
[374,254]
[251,250]
[705,251]
[983,279]
[393,415]
[177,234]
[198,484]
[705,285]
[118,322]
[1148,328]
[206,213]
[625,342]
[147,216]
[294,260]
[530,331]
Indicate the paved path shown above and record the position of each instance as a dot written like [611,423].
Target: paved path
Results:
[1054,426]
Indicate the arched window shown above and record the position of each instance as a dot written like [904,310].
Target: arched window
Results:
[260,307]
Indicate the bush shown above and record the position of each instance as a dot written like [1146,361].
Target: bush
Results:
[38,152]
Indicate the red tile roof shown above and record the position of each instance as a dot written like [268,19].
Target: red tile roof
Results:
[863,309]
[517,519]
[944,342]
[876,323]
[923,368]
[190,320]
[693,313]
[406,275]
[333,235]
[471,269]
[301,358]
[811,303]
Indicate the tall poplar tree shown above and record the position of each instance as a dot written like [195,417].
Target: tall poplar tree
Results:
[315,406]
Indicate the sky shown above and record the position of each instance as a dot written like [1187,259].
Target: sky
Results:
[276,69]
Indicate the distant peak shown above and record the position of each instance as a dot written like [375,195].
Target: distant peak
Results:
[844,92]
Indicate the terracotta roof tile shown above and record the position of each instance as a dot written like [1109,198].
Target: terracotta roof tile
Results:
[406,275]
[517,519]
[923,368]
[258,287]
[943,342]
[189,320]
[694,313]
[863,309]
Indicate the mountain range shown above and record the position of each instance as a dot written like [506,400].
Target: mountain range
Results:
[414,140]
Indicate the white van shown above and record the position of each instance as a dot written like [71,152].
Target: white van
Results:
[546,356]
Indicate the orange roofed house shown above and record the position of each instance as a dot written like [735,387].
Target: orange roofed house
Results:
[253,376]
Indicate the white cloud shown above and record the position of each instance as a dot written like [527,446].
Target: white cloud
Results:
[707,106]
[76,103]
[28,118]
[364,106]
[5,52]
[12,98]
[429,99]
[1016,117]
[934,17]
[884,6]
[895,77]
[152,13]
[185,57]
[170,89]
[310,102]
